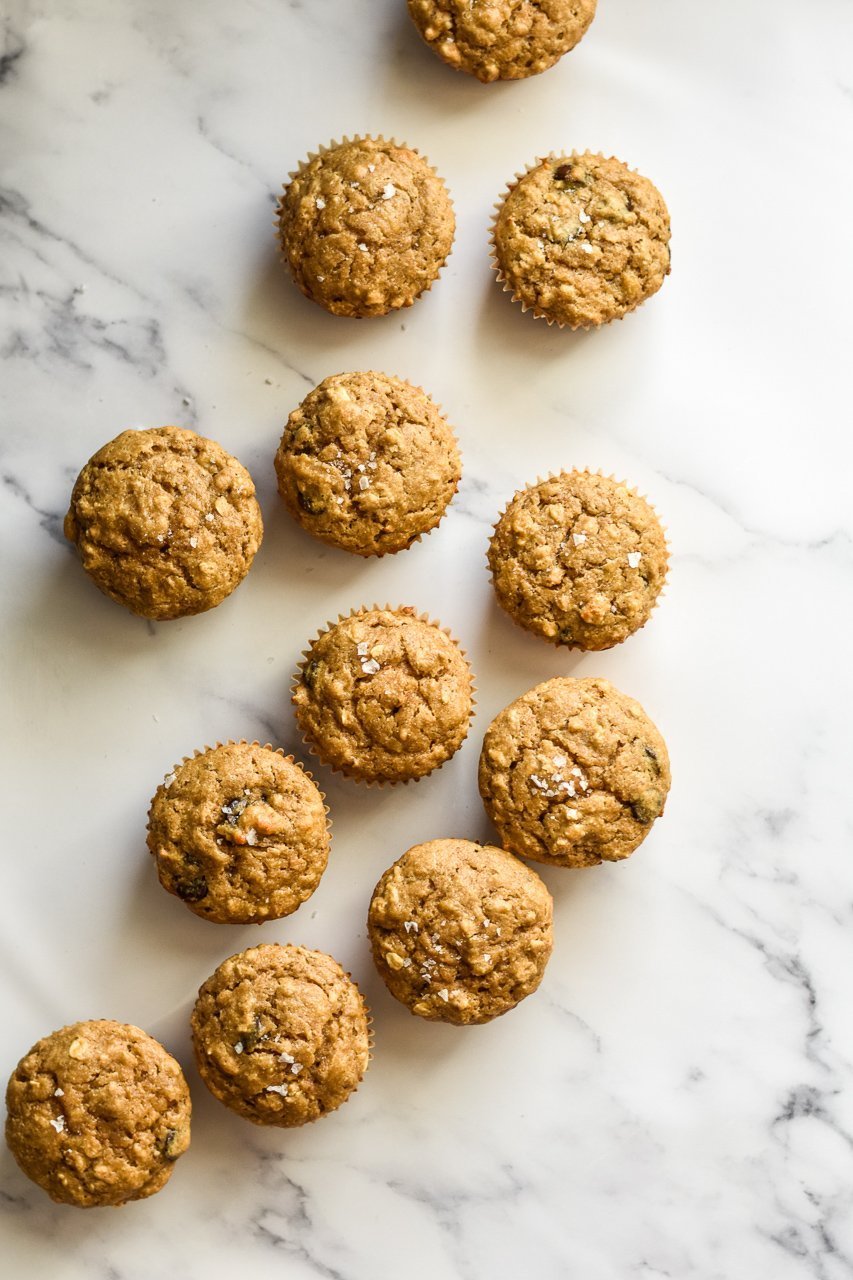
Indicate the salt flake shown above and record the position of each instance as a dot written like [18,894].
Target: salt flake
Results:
[370,667]
[445,994]
[634,558]
[59,1124]
[411,926]
[389,191]
[277,1088]
[578,539]
[362,247]
[59,1093]
[320,202]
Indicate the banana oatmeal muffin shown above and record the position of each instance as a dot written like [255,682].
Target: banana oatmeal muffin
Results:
[97,1114]
[365,226]
[281,1035]
[581,240]
[367,463]
[384,696]
[165,521]
[573,773]
[502,39]
[460,932]
[579,559]
[239,833]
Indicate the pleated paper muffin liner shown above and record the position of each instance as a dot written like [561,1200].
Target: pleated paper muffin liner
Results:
[378,555]
[324,150]
[556,475]
[163,788]
[353,772]
[495,262]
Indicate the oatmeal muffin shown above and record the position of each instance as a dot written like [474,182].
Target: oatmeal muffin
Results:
[384,696]
[165,521]
[504,39]
[573,773]
[581,240]
[97,1114]
[579,559]
[365,227]
[367,463]
[460,932]
[239,833]
[281,1035]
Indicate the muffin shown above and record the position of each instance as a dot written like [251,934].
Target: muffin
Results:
[239,833]
[365,226]
[460,932]
[573,773]
[367,463]
[504,39]
[384,696]
[281,1035]
[579,559]
[581,240]
[97,1114]
[165,521]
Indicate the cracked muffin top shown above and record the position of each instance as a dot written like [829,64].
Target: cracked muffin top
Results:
[239,833]
[97,1114]
[573,773]
[504,39]
[165,521]
[384,696]
[365,227]
[582,239]
[579,559]
[367,463]
[460,932]
[281,1034]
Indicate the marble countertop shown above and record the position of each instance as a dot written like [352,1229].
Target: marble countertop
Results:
[675,1101]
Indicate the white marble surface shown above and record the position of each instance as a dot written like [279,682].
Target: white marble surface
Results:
[676,1100]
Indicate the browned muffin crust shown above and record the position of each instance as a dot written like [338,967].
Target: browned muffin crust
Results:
[367,463]
[365,227]
[239,833]
[165,521]
[503,39]
[384,696]
[281,1035]
[460,932]
[573,773]
[582,239]
[97,1114]
[580,559]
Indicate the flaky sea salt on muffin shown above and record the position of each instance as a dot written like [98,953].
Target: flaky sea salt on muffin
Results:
[573,773]
[384,696]
[239,833]
[367,463]
[97,1114]
[365,226]
[281,1035]
[580,559]
[460,931]
[581,240]
[165,522]
[502,39]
